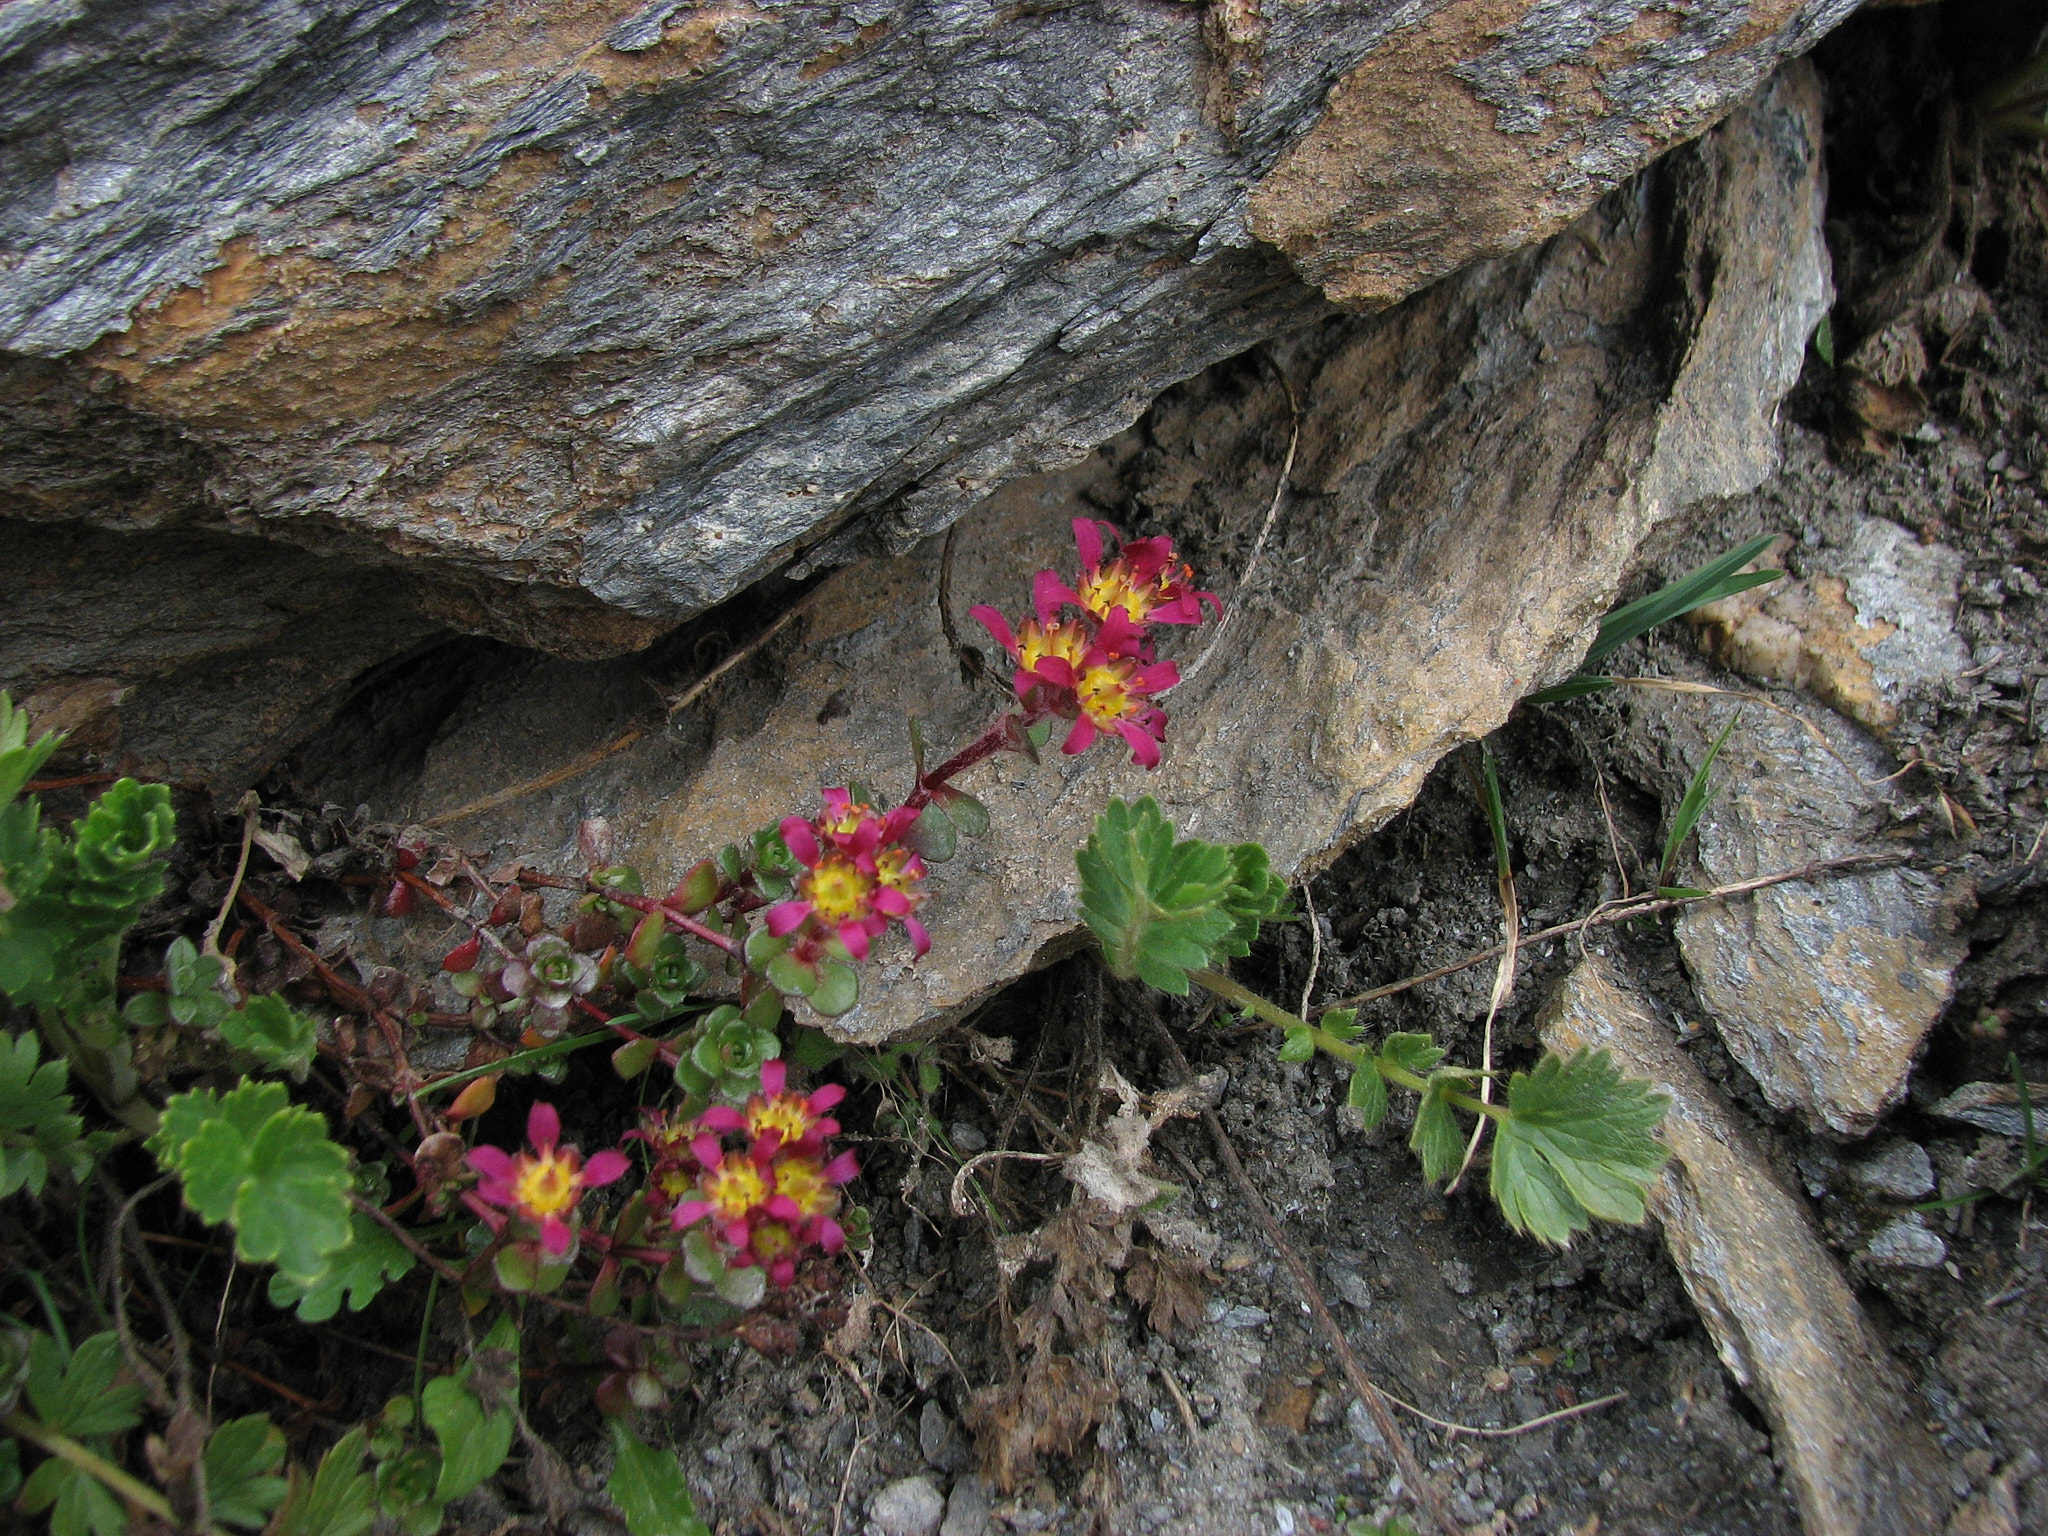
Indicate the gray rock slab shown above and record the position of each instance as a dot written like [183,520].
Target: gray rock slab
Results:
[1995,1107]
[1907,1243]
[1785,1322]
[969,1507]
[1823,990]
[1476,468]
[618,306]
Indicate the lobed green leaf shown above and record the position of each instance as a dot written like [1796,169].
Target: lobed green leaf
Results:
[359,1271]
[649,1489]
[1158,907]
[254,1159]
[38,1131]
[341,1499]
[79,1394]
[242,1459]
[1578,1143]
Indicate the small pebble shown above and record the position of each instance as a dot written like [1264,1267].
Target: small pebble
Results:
[968,1138]
[1909,1244]
[968,1507]
[1901,1171]
[910,1506]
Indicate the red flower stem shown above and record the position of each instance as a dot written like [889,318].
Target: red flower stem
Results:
[476,930]
[666,1053]
[638,903]
[1004,734]
[606,1245]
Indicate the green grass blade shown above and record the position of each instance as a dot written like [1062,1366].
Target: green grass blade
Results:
[1693,805]
[1716,579]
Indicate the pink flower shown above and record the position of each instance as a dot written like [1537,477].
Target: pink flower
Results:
[780,1120]
[1114,693]
[543,1186]
[1143,580]
[781,1195]
[857,875]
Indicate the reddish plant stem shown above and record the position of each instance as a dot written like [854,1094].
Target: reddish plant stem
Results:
[477,930]
[665,1053]
[353,996]
[638,903]
[1004,734]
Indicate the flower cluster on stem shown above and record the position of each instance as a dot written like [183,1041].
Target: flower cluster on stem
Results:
[1086,655]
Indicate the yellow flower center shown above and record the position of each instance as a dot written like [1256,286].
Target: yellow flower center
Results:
[1104,691]
[1069,642]
[787,1114]
[545,1185]
[848,820]
[891,869]
[772,1241]
[803,1180]
[837,889]
[734,1187]
[673,1184]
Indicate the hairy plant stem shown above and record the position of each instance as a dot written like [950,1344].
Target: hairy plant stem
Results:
[94,1465]
[1005,733]
[1357,1055]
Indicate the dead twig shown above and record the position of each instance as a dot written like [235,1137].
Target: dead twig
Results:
[1420,1486]
[1522,1428]
[1621,912]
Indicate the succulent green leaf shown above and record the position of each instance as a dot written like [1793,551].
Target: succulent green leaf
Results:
[10,1470]
[117,855]
[242,1458]
[933,837]
[372,1258]
[1436,1139]
[1579,1142]
[1368,1094]
[38,1131]
[838,989]
[966,813]
[341,1499]
[649,1489]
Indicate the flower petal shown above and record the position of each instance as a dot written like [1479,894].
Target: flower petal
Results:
[722,1120]
[543,1126]
[831,1236]
[786,917]
[890,900]
[707,1151]
[855,937]
[738,1233]
[1080,738]
[1144,749]
[800,839]
[782,1208]
[774,1076]
[920,936]
[783,1274]
[1056,670]
[491,1162]
[997,626]
[898,823]
[1088,541]
[602,1168]
[555,1236]
[842,1168]
[1048,592]
[689,1213]
[1158,678]
[824,1098]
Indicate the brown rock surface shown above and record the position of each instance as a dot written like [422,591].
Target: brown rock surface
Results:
[592,312]
[1785,1322]
[1475,467]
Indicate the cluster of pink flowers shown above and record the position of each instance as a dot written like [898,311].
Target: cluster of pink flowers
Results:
[542,1187]
[777,1196]
[858,877]
[1096,668]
